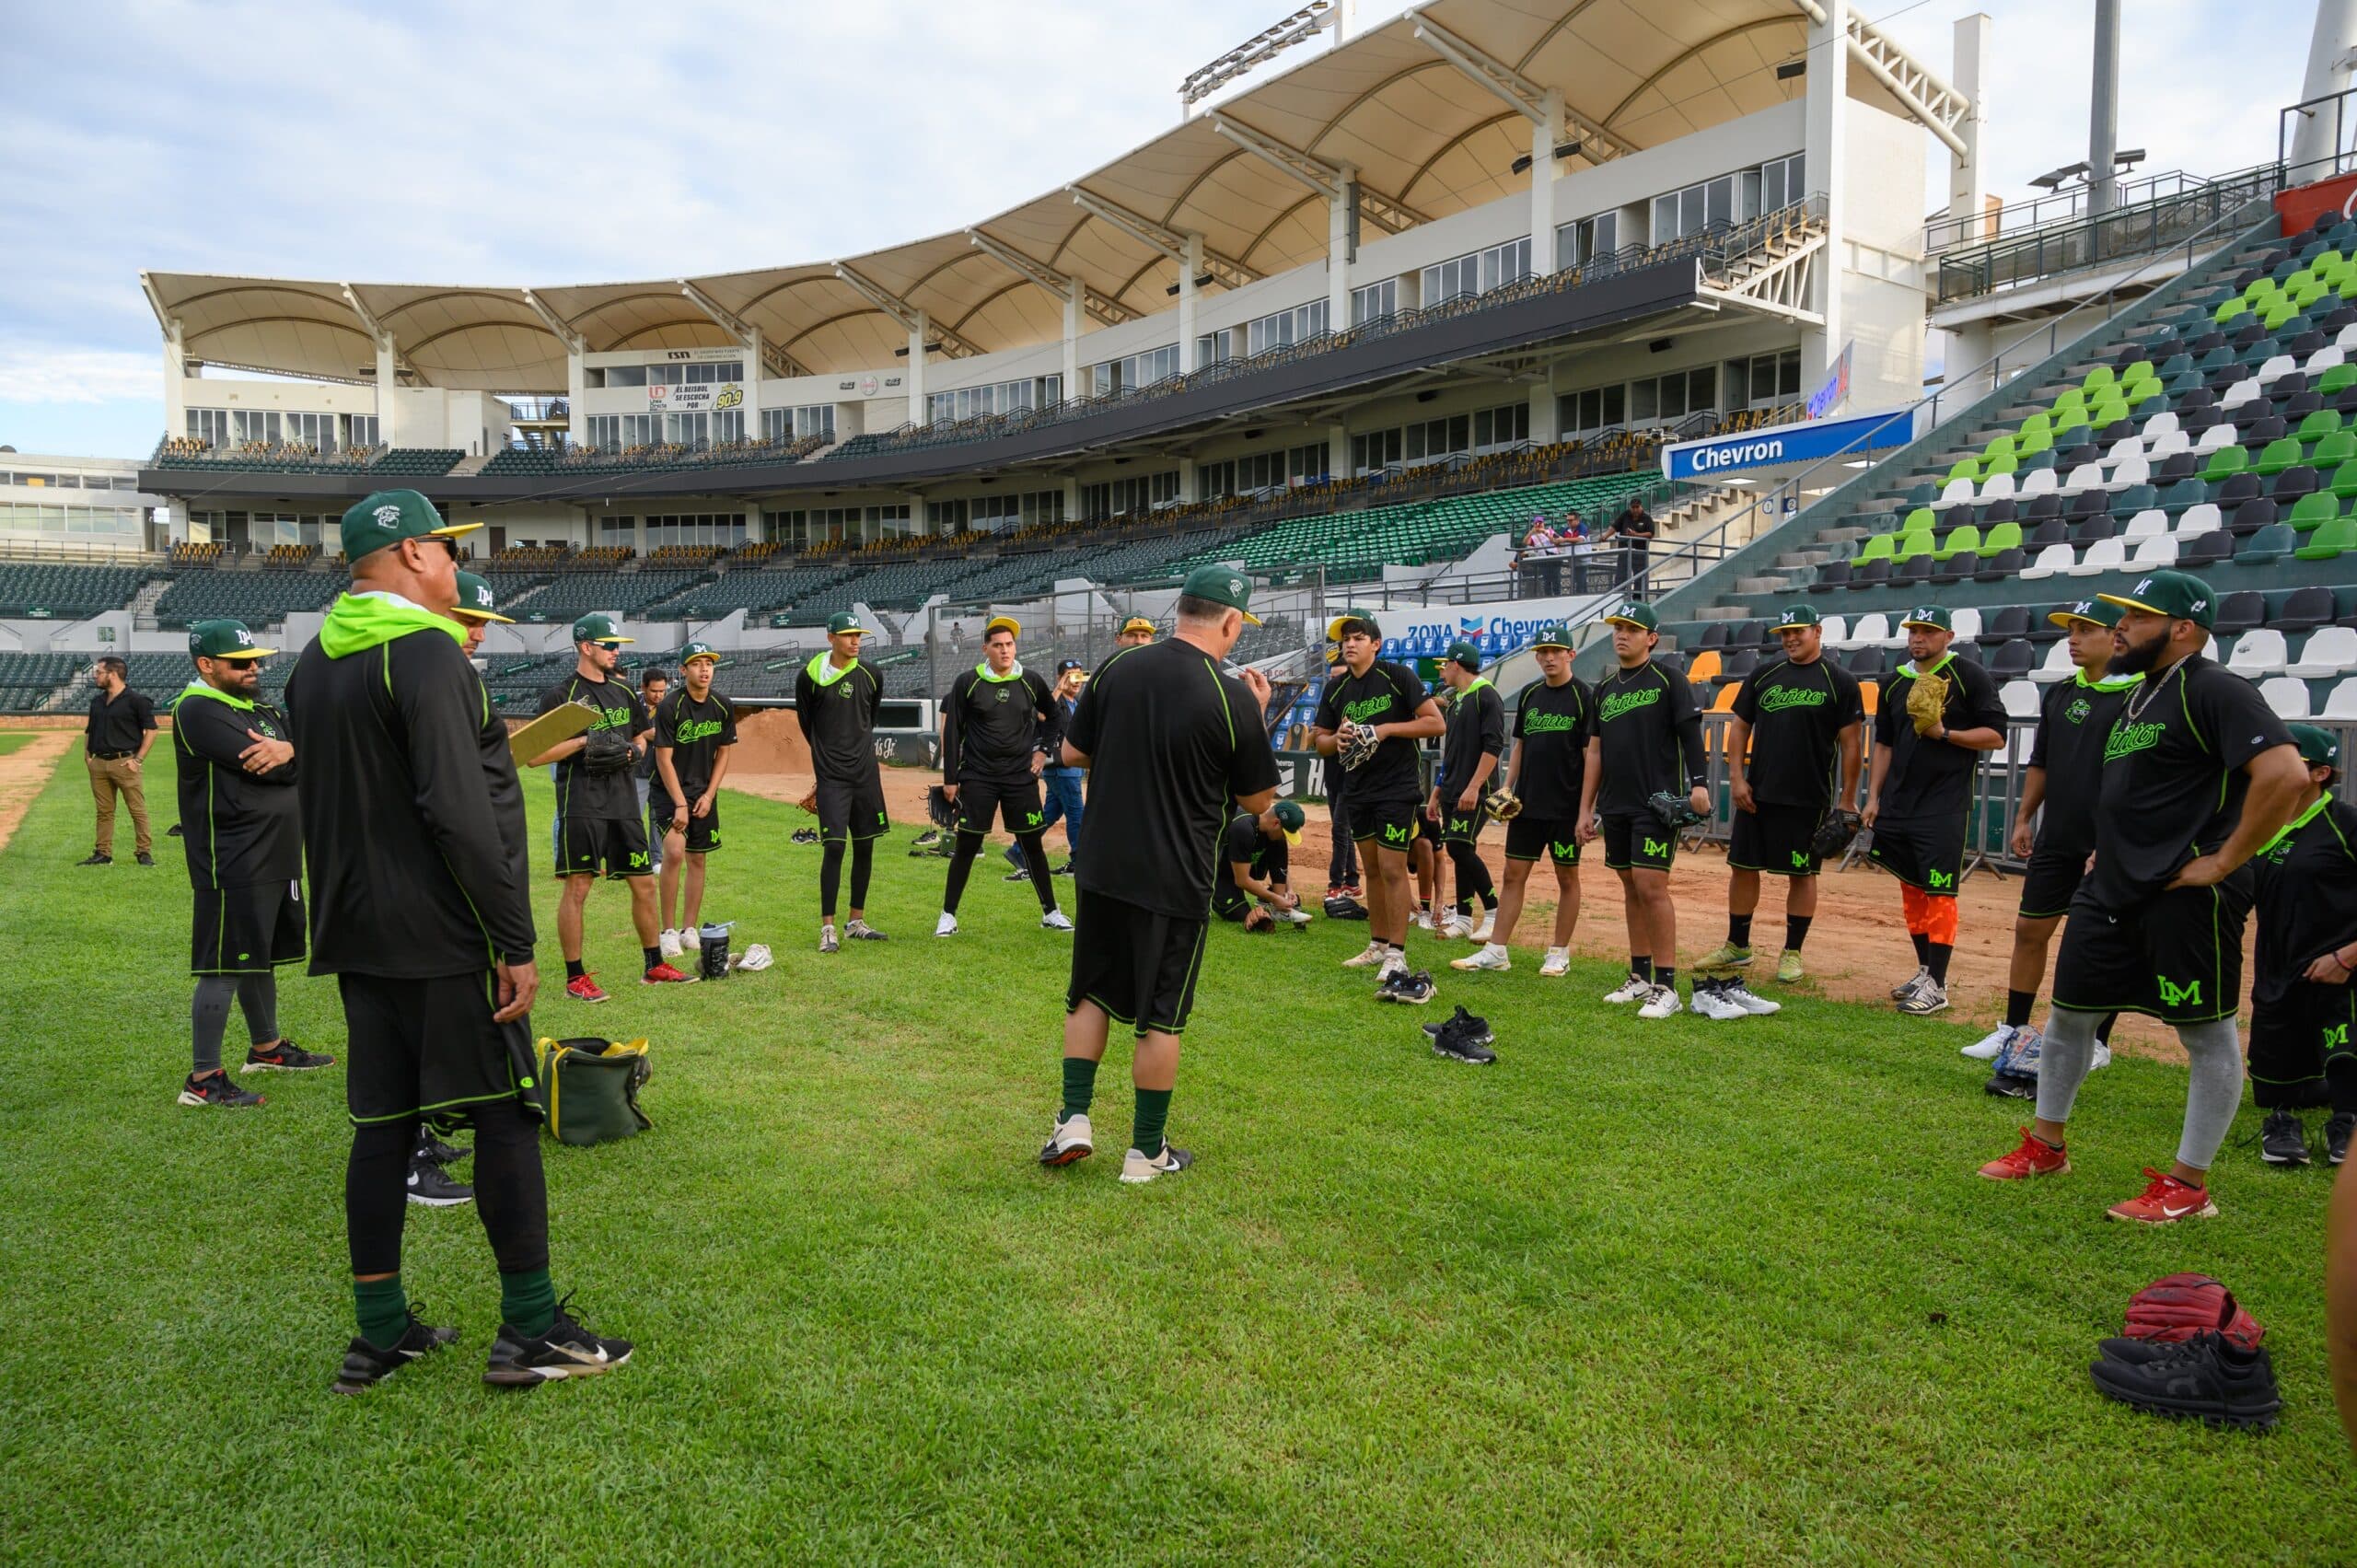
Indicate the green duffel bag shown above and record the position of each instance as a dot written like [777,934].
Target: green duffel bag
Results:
[592,1087]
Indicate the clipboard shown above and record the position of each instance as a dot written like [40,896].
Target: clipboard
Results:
[554,728]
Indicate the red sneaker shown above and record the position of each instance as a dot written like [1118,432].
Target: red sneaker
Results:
[2035,1157]
[2165,1201]
[581,988]
[663,974]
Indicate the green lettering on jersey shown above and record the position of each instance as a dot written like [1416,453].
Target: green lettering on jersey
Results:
[1547,724]
[692,730]
[1776,699]
[1628,702]
[2128,738]
[1366,707]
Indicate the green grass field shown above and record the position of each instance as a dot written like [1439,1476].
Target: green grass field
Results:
[14,740]
[1683,1292]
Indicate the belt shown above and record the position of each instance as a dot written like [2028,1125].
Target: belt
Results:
[112,756]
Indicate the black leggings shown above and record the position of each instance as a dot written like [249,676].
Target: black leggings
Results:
[511,1194]
[961,865]
[209,1013]
[830,874]
[1472,877]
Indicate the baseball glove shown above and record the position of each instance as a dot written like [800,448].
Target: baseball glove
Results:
[2181,1305]
[1833,834]
[1354,744]
[1341,908]
[1503,805]
[937,807]
[1260,921]
[809,802]
[1675,811]
[1927,702]
[607,751]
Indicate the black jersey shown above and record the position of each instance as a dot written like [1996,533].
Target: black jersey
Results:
[2173,779]
[693,733]
[1797,712]
[1268,860]
[1933,779]
[991,725]
[1651,734]
[1387,693]
[2074,719]
[2305,896]
[580,794]
[237,829]
[837,709]
[1552,725]
[1477,728]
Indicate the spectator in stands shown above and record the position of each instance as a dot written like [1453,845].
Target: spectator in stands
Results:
[654,685]
[1573,530]
[121,728]
[1542,566]
[1635,528]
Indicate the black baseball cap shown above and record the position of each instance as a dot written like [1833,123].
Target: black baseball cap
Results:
[1064,664]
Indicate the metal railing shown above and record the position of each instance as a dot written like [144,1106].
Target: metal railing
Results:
[2015,220]
[2088,241]
[2341,108]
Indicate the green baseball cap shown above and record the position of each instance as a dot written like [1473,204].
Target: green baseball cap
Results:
[1554,634]
[1221,585]
[224,639]
[1290,818]
[1799,615]
[2101,612]
[599,627]
[843,620]
[1935,617]
[1341,623]
[2318,747]
[691,652]
[1638,613]
[1466,653]
[476,602]
[2180,595]
[388,517]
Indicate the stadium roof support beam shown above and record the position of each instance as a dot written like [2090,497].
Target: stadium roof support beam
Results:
[1919,90]
[1229,271]
[1782,287]
[1105,312]
[175,359]
[1331,181]
[576,379]
[388,366]
[1521,92]
[776,360]
[911,316]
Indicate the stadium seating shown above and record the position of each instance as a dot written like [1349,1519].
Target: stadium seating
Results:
[30,588]
[255,597]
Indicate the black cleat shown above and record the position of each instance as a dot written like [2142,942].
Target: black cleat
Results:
[173,831]
[2336,1136]
[434,1151]
[284,1057]
[1064,870]
[365,1365]
[144,858]
[2281,1139]
[1016,877]
[567,1349]
[97,859]
[928,839]
[2012,1085]
[216,1087]
[2204,1378]
[1459,1043]
[430,1186]
[1410,986]
[1461,1019]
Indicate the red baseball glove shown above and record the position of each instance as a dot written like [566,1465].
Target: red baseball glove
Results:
[2182,1305]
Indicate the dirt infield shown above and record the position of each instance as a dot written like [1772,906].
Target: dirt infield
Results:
[24,771]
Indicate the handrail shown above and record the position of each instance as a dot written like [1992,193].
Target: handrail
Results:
[1943,231]
[2094,238]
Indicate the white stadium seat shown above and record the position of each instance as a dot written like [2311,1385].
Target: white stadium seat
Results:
[2243,391]
[1830,629]
[2058,665]
[2342,703]
[2152,553]
[2145,523]
[2201,518]
[2039,481]
[2325,359]
[2276,367]
[1868,633]
[1967,622]
[2288,697]
[2054,558]
[2162,423]
[1997,487]
[2127,447]
[2259,653]
[2020,698]
[2086,476]
[2167,444]
[2330,651]
[1956,492]
[2103,556]
[2217,435]
[2130,471]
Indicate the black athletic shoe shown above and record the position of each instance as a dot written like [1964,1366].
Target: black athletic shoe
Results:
[429,1185]
[928,839]
[2281,1139]
[806,835]
[435,1151]
[2205,1378]
[1472,1023]
[1412,986]
[284,1057]
[173,831]
[1064,870]
[144,858]
[1459,1042]
[2336,1136]
[365,1365]
[524,1361]
[1016,877]
[2134,1352]
[2012,1085]
[215,1088]
[97,860]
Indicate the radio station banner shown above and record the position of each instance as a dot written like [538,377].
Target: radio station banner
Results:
[703,397]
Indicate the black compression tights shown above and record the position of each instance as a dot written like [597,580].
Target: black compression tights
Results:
[961,865]
[830,874]
[511,1194]
[1472,877]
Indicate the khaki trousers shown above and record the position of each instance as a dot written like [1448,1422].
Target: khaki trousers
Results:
[108,780]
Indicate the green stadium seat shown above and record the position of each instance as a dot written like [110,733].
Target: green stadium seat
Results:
[1878,547]
[1911,545]
[2000,537]
[1964,540]
[2312,511]
[2344,481]
[2277,456]
[2335,538]
[2227,459]
[2324,422]
[2335,449]
[1923,519]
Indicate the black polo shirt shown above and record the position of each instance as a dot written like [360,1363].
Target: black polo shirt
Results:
[116,725]
[693,733]
[1797,712]
[1552,725]
[1477,728]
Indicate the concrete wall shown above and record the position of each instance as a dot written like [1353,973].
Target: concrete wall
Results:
[1882,286]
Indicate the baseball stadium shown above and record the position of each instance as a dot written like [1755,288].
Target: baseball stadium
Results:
[1079,700]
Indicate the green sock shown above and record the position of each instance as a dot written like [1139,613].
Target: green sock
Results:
[528,1301]
[1080,1086]
[383,1310]
[1153,1109]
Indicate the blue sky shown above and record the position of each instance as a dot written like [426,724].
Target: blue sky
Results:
[546,143]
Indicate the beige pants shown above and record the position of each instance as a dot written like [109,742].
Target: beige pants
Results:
[122,777]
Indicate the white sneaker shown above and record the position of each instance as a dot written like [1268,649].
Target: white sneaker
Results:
[1664,1002]
[1558,964]
[1744,997]
[1375,954]
[1455,927]
[1490,957]
[2102,1057]
[1906,988]
[1422,920]
[1393,963]
[1294,917]
[1054,921]
[947,925]
[1709,1001]
[1136,1167]
[669,943]
[1991,1045]
[1636,988]
[1070,1139]
[1482,932]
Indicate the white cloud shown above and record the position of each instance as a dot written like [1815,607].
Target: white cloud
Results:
[30,375]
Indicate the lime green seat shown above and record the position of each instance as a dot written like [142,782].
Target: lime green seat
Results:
[1961,541]
[2033,442]
[1964,467]
[2279,455]
[1911,545]
[2101,376]
[2344,481]
[1920,520]
[2227,459]
[2002,463]
[2319,425]
[2312,512]
[2138,392]
[2335,377]
[2001,537]
[2335,449]
[2338,536]
[2002,447]
[1878,547]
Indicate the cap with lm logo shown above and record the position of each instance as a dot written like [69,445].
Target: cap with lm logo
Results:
[2098,613]
[2180,596]
[1637,613]
[1930,617]
[476,602]
[224,639]
[599,627]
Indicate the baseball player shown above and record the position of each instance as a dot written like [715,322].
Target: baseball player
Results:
[1169,740]
[654,685]
[2063,777]
[597,805]
[1796,719]
[477,611]
[2302,1002]
[1647,745]
[245,858]
[693,732]
[1342,862]
[1135,633]
[836,699]
[2198,773]
[1471,747]
[412,826]
[998,726]
[1382,709]
[1255,862]
[1938,713]
[1553,718]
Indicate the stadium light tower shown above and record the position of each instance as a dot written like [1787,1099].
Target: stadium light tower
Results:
[1331,17]
[2103,111]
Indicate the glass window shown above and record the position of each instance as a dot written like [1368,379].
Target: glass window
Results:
[626,375]
[1374,301]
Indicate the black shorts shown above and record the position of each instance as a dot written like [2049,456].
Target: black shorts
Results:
[2292,1038]
[588,845]
[1464,827]
[1137,965]
[703,833]
[2050,883]
[1922,854]
[1638,843]
[1016,801]
[428,1048]
[853,809]
[1776,839]
[248,930]
[1393,823]
[2178,955]
[1529,837]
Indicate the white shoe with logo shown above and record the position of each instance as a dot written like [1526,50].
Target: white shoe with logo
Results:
[1489,957]
[1054,921]
[1664,1002]
[1375,954]
[947,925]
[668,944]
[1991,1045]
[1709,1001]
[1636,988]
[1558,964]
[1455,927]
[1422,920]
[1743,996]
[1070,1139]
[1482,932]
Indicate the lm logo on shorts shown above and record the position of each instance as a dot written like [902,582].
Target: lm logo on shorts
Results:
[1800,860]
[2335,1037]
[2173,995]
[1655,846]
[1395,832]
[1565,852]
[1032,819]
[1458,824]
[638,857]
[879,820]
[1940,879]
